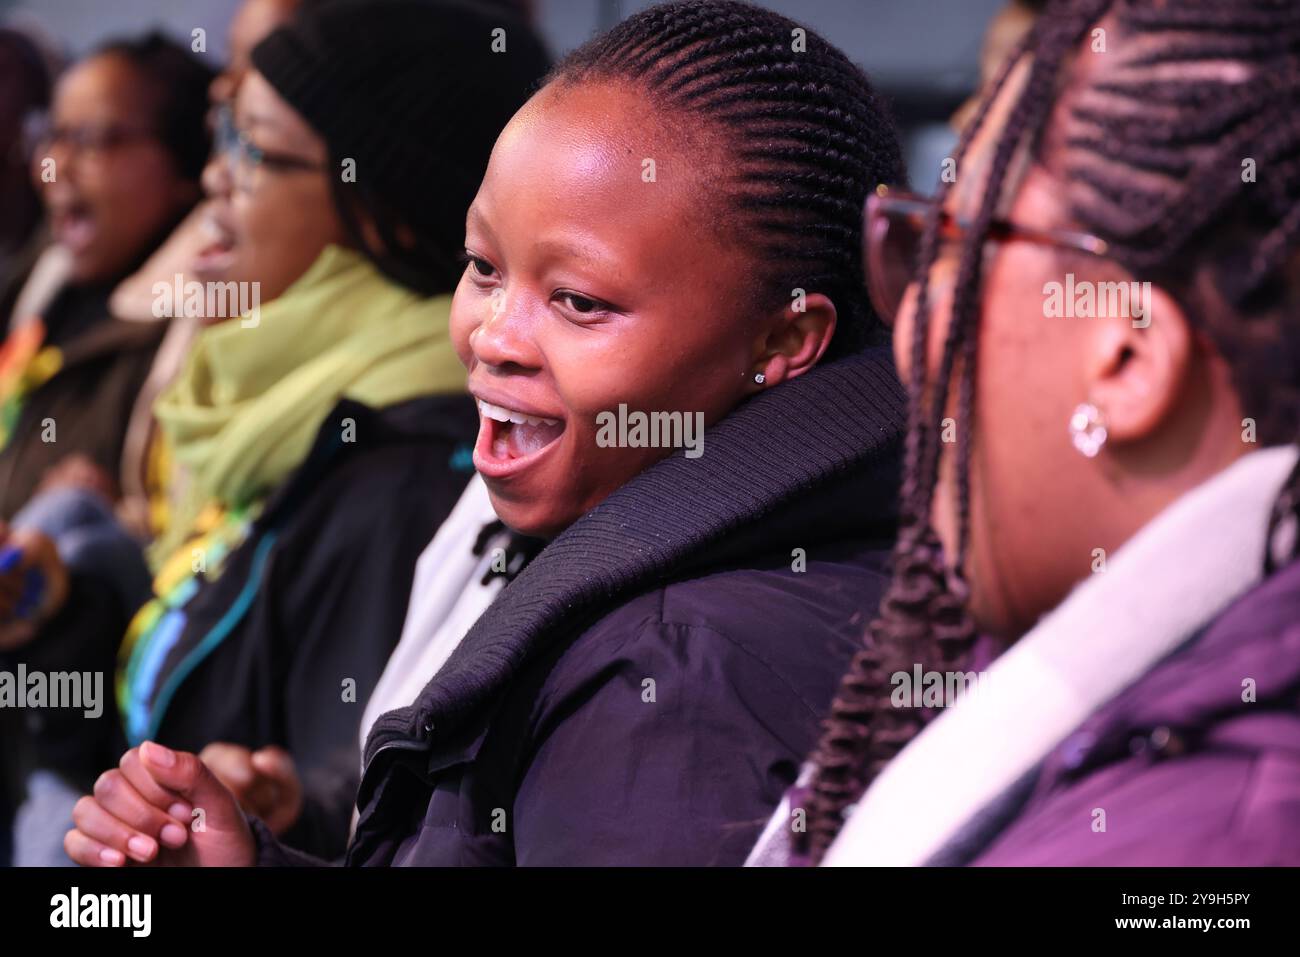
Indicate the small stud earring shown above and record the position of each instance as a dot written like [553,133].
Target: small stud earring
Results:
[759,378]
[1087,429]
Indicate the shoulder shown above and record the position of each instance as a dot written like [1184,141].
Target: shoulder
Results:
[1216,806]
[372,489]
[754,636]
[1197,763]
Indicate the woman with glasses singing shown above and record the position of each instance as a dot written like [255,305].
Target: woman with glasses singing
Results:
[1102,314]
[117,164]
[323,433]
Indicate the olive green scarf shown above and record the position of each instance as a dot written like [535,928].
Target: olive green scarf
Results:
[245,409]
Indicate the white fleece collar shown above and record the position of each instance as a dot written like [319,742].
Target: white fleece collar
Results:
[1166,583]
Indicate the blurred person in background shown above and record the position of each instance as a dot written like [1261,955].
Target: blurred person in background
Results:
[118,165]
[25,83]
[327,438]
[151,482]
[24,95]
[96,537]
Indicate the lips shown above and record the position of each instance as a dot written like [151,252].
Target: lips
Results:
[217,256]
[511,440]
[73,226]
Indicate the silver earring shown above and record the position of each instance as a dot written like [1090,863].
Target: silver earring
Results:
[1087,429]
[759,378]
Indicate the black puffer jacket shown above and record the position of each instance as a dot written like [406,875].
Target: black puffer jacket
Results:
[645,690]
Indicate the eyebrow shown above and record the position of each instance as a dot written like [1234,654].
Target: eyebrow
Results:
[559,250]
[473,215]
[555,248]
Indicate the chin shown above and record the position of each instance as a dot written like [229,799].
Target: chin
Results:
[526,518]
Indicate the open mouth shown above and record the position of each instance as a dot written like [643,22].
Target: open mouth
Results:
[510,440]
[73,227]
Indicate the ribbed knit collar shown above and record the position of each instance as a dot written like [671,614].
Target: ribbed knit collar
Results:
[771,451]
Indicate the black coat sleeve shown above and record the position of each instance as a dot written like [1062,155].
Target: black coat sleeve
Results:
[337,591]
[673,751]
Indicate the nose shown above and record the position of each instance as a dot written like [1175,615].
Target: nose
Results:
[504,340]
[222,88]
[217,180]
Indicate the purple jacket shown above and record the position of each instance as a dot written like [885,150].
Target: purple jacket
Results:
[1187,772]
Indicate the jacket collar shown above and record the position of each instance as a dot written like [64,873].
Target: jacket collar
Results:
[1113,629]
[768,453]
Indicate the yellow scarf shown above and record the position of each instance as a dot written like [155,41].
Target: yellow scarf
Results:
[246,408]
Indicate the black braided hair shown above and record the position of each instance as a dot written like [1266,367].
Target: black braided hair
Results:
[1155,165]
[804,138]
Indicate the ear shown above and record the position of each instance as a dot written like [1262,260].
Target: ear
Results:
[796,340]
[1138,365]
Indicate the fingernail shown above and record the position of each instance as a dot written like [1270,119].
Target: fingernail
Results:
[111,857]
[173,835]
[163,757]
[181,812]
[140,847]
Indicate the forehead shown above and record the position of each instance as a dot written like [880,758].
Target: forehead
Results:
[262,110]
[596,152]
[107,86]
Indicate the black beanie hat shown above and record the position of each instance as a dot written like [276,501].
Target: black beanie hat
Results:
[414,93]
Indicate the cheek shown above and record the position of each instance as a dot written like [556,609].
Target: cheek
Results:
[465,318]
[282,231]
[139,195]
[1022,464]
[652,370]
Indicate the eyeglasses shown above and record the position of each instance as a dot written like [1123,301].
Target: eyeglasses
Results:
[244,157]
[891,242]
[89,139]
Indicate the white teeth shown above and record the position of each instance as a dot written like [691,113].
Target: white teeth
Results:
[502,414]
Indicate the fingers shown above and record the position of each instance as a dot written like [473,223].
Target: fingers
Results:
[151,791]
[93,821]
[189,777]
[233,766]
[231,763]
[116,797]
[284,803]
[275,762]
[88,852]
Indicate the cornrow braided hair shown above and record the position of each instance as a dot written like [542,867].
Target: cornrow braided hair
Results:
[1154,151]
[804,138]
